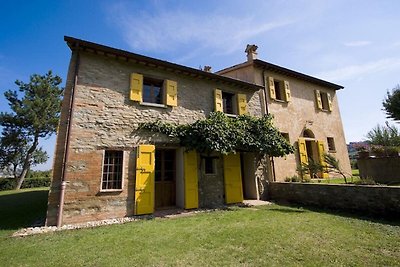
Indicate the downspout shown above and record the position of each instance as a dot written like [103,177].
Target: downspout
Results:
[66,154]
[267,112]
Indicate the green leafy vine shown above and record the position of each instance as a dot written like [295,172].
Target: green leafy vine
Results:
[226,134]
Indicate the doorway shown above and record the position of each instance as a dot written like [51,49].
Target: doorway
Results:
[165,178]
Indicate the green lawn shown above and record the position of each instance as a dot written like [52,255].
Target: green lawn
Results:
[271,235]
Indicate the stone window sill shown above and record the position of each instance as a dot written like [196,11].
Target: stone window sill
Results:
[111,190]
[153,105]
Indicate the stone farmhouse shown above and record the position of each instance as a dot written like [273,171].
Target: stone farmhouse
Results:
[104,167]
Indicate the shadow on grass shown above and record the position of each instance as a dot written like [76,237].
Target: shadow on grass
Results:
[390,220]
[23,209]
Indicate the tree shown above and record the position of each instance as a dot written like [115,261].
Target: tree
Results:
[333,165]
[391,104]
[35,114]
[386,136]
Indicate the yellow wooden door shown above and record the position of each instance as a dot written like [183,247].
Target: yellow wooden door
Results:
[233,179]
[191,180]
[303,151]
[321,152]
[144,188]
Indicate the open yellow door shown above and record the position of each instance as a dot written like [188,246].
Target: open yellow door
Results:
[191,180]
[233,179]
[303,153]
[321,152]
[144,188]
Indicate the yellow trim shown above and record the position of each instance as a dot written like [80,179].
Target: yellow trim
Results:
[144,184]
[218,100]
[191,180]
[233,179]
[288,96]
[242,104]
[271,88]
[171,93]
[136,86]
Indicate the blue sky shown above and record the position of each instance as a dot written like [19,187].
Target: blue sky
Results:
[352,43]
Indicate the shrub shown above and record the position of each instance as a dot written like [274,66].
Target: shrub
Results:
[294,179]
[9,183]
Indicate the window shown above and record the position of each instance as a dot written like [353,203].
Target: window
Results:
[227,103]
[112,170]
[286,136]
[209,165]
[331,144]
[323,100]
[279,90]
[152,91]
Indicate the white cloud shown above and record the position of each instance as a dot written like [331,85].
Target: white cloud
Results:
[166,30]
[357,71]
[357,43]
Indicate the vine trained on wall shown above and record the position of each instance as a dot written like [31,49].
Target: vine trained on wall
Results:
[226,135]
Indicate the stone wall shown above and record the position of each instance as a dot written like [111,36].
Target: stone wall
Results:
[381,170]
[375,200]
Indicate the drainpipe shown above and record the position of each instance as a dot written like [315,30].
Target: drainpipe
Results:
[66,153]
[266,109]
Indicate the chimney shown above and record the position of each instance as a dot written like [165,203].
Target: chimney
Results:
[251,51]
[207,68]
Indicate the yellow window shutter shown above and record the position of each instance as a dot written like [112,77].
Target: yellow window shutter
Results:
[271,88]
[144,184]
[233,179]
[136,87]
[288,96]
[242,104]
[318,99]
[191,180]
[218,100]
[171,93]
[321,152]
[330,106]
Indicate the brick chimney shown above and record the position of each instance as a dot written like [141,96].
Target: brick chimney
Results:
[251,51]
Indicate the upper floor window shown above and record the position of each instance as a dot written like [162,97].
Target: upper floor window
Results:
[323,100]
[227,103]
[154,91]
[112,170]
[279,90]
[230,103]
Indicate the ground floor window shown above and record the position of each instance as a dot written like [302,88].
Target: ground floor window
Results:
[331,144]
[112,170]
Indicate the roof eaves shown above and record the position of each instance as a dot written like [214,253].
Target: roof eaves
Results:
[75,43]
[279,69]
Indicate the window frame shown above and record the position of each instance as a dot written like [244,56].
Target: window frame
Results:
[150,82]
[122,171]
[331,144]
[213,163]
[324,101]
[233,100]
[279,90]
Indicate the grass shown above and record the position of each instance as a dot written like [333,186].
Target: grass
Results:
[271,235]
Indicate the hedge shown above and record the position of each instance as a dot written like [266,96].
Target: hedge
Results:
[9,183]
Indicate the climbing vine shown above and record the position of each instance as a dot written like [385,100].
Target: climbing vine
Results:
[226,135]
